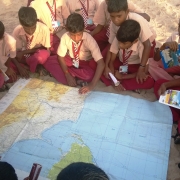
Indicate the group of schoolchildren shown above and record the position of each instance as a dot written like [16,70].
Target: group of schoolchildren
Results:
[79,42]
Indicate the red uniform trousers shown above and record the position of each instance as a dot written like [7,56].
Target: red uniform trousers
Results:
[84,72]
[102,39]
[38,57]
[55,41]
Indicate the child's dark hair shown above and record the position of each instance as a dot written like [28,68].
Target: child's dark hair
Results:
[75,23]
[2,29]
[27,16]
[82,171]
[117,6]
[129,31]
[7,172]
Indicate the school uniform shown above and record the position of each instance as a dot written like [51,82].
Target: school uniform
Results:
[54,15]
[102,17]
[7,50]
[156,68]
[86,8]
[146,32]
[40,38]
[130,57]
[87,51]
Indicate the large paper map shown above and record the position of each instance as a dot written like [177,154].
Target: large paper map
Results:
[51,124]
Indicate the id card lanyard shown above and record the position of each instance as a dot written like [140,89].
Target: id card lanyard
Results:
[84,7]
[53,13]
[76,54]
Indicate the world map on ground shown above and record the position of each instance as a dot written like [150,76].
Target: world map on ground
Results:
[51,124]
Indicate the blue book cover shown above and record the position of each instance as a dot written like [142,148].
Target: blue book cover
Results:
[170,58]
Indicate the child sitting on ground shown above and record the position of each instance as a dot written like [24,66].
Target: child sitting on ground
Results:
[8,64]
[102,19]
[130,49]
[87,8]
[156,67]
[119,12]
[76,52]
[53,13]
[32,39]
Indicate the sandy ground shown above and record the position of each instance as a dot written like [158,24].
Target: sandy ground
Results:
[164,18]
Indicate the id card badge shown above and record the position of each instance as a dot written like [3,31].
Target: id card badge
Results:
[75,63]
[123,69]
[89,22]
[56,24]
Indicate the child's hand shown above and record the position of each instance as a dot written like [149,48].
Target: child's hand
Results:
[118,75]
[11,73]
[107,70]
[141,76]
[19,56]
[162,89]
[86,89]
[119,88]
[172,45]
[71,80]
[23,71]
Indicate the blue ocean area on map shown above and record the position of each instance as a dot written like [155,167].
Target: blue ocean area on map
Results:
[126,138]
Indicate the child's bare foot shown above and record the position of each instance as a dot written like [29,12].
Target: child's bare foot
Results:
[4,88]
[119,88]
[41,70]
[81,83]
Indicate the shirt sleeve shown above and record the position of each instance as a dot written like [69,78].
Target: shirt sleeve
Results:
[62,49]
[65,11]
[112,32]
[114,46]
[46,38]
[35,6]
[94,48]
[96,5]
[134,8]
[19,41]
[12,48]
[68,3]
[145,32]
[100,16]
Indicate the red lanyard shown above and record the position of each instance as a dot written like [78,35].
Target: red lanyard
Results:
[29,40]
[50,8]
[83,6]
[126,56]
[76,53]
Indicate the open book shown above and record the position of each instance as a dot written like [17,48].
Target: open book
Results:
[170,58]
[171,98]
